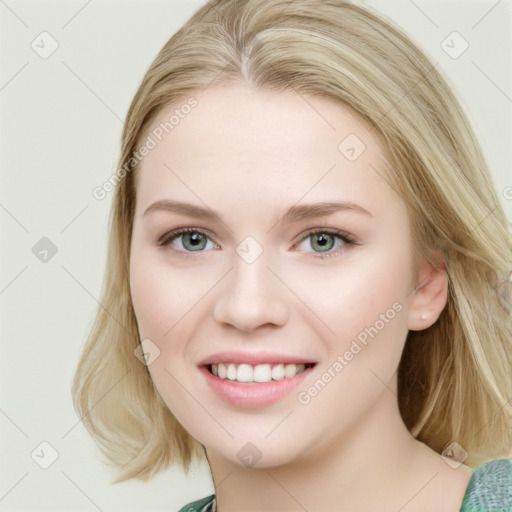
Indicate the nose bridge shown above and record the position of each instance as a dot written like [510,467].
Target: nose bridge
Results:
[251,296]
[251,277]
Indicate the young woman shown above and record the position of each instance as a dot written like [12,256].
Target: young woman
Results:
[308,254]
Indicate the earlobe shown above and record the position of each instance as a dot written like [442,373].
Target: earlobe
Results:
[429,297]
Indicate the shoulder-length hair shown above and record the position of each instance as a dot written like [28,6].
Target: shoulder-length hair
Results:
[454,378]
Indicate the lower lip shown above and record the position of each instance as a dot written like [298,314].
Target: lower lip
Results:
[254,394]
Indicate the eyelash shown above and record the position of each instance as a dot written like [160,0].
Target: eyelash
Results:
[170,236]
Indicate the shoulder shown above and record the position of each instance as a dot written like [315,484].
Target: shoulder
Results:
[207,504]
[490,488]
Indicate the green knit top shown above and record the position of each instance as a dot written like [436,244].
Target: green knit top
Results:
[489,490]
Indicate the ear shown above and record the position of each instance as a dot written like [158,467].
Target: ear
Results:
[429,297]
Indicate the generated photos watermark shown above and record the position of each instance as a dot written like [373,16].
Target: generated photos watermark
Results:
[152,140]
[361,341]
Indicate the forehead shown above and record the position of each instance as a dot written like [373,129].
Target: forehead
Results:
[250,145]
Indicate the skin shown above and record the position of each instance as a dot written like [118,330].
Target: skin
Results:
[248,155]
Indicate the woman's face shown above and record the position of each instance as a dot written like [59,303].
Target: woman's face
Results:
[319,320]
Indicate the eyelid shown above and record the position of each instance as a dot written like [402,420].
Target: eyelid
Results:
[170,236]
[349,238]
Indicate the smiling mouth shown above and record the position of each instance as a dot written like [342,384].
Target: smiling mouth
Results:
[250,374]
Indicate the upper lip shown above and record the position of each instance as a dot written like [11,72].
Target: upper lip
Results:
[254,358]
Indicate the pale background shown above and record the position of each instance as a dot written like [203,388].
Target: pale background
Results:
[60,130]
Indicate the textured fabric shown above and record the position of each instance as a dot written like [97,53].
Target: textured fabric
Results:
[489,490]
[207,504]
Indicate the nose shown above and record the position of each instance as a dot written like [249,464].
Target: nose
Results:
[251,297]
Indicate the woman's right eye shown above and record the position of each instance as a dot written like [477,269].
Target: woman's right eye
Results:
[186,240]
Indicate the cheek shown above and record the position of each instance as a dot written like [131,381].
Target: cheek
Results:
[355,292]
[162,298]
[153,301]
[162,294]
[170,304]
[368,318]
[364,303]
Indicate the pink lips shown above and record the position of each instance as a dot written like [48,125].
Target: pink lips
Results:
[253,394]
[254,359]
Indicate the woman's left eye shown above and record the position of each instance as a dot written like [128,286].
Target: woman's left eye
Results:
[325,241]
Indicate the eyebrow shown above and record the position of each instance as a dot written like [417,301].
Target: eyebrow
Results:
[293,214]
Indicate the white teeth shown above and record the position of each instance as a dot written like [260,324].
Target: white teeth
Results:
[260,373]
[223,373]
[231,371]
[244,373]
[278,372]
[290,370]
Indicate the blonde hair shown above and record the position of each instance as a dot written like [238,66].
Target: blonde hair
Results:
[454,378]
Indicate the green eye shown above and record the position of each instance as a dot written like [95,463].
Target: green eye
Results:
[323,241]
[193,241]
